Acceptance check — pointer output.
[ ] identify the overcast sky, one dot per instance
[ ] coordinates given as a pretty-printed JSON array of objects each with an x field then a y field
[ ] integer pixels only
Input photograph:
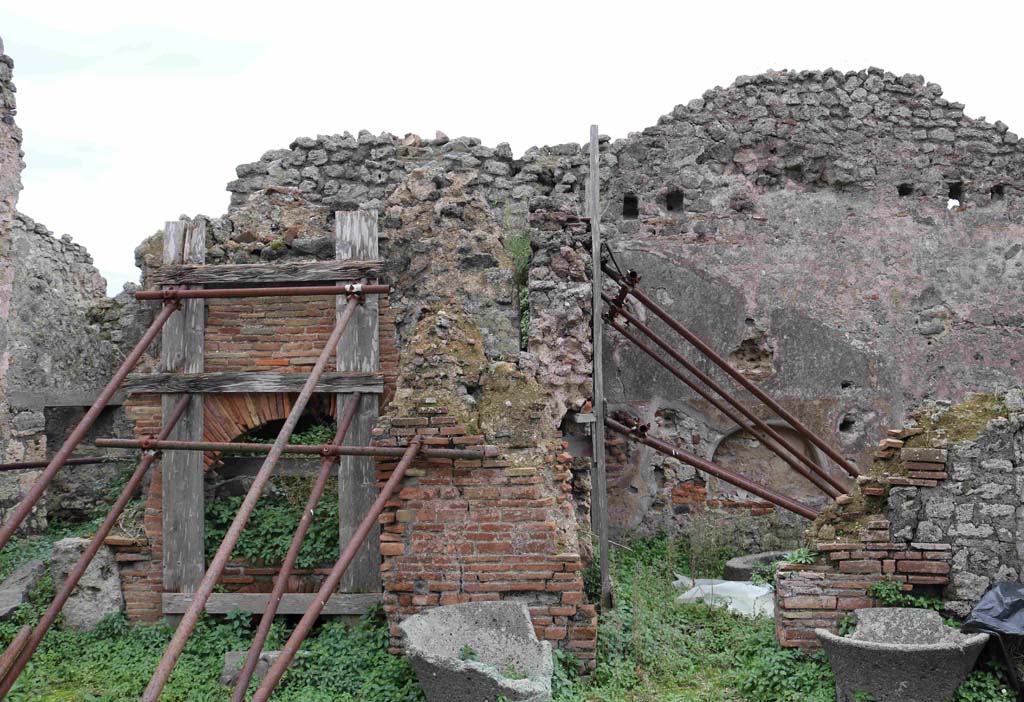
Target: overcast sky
[{"x": 137, "y": 112}]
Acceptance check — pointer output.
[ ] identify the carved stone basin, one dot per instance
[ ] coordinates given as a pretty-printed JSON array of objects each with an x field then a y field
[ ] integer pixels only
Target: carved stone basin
[{"x": 900, "y": 654}]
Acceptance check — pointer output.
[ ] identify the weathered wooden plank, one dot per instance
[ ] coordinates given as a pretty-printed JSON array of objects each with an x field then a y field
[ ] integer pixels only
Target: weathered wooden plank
[
  {"x": 182, "y": 352},
  {"x": 256, "y": 382},
  {"x": 283, "y": 272},
  {"x": 359, "y": 351},
  {"x": 599, "y": 494},
  {"x": 291, "y": 603}
]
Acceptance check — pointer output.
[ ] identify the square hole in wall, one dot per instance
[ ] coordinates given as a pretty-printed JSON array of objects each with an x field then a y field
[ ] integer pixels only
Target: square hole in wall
[
  {"x": 956, "y": 194},
  {"x": 674, "y": 200},
  {"x": 630, "y": 206},
  {"x": 904, "y": 189}
]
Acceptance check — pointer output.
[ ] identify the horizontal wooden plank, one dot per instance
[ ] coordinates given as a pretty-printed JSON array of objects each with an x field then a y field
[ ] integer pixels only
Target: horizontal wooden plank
[
  {"x": 227, "y": 382},
  {"x": 283, "y": 272},
  {"x": 292, "y": 603}
]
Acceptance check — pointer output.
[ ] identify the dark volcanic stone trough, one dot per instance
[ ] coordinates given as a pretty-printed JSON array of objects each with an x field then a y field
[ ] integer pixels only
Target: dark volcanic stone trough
[{"x": 900, "y": 654}]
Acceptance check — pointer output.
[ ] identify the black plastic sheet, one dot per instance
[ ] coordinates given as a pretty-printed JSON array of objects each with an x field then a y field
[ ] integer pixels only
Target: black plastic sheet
[{"x": 1000, "y": 611}]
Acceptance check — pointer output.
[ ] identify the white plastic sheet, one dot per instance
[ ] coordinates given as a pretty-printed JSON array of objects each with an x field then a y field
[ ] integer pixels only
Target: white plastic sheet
[{"x": 743, "y": 598}]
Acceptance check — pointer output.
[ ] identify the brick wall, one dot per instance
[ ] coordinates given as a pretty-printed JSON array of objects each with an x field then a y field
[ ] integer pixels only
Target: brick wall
[
  {"x": 242, "y": 334},
  {"x": 282, "y": 334},
  {"x": 479, "y": 530},
  {"x": 858, "y": 548},
  {"x": 688, "y": 494}
]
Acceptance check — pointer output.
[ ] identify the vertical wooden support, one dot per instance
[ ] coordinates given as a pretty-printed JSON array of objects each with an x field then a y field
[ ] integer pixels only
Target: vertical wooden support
[
  {"x": 359, "y": 350},
  {"x": 599, "y": 478},
  {"x": 182, "y": 352}
]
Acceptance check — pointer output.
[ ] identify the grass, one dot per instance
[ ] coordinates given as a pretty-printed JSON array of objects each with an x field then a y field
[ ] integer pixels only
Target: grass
[
  {"x": 113, "y": 663},
  {"x": 650, "y": 649},
  {"x": 653, "y": 649}
]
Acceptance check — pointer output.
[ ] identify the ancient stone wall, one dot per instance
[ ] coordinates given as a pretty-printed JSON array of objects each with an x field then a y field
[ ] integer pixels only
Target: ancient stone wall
[
  {"x": 10, "y": 184},
  {"x": 450, "y": 352},
  {"x": 978, "y": 510},
  {"x": 938, "y": 514},
  {"x": 798, "y": 221},
  {"x": 60, "y": 339}
]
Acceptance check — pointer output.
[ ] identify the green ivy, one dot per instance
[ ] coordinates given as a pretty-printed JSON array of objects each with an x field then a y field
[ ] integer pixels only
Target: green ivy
[
  {"x": 113, "y": 663},
  {"x": 765, "y": 575},
  {"x": 987, "y": 685},
  {"x": 314, "y": 435},
  {"x": 268, "y": 533},
  {"x": 889, "y": 593}
]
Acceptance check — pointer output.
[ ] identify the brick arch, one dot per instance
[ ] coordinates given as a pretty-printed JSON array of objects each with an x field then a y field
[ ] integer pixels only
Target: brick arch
[{"x": 228, "y": 416}]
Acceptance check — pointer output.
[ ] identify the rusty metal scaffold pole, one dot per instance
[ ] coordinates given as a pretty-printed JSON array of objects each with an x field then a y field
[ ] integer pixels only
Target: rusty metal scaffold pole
[
  {"x": 810, "y": 470},
  {"x": 300, "y": 449},
  {"x": 714, "y": 469},
  {"x": 216, "y": 568},
  {"x": 630, "y": 287},
  {"x": 330, "y": 583},
  {"x": 74, "y": 461},
  {"x": 317, "y": 491},
  {"x": 25, "y": 507},
  {"x": 28, "y": 647},
  {"x": 284, "y": 291},
  {"x": 17, "y": 643},
  {"x": 755, "y": 431}
]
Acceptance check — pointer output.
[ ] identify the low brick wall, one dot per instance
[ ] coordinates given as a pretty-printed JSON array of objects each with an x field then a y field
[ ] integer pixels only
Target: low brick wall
[
  {"x": 481, "y": 530},
  {"x": 857, "y": 548}
]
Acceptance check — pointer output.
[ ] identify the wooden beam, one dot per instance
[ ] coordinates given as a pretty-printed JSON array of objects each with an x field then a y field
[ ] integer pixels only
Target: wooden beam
[
  {"x": 599, "y": 479},
  {"x": 181, "y": 351},
  {"x": 359, "y": 351},
  {"x": 285, "y": 272},
  {"x": 236, "y": 382},
  {"x": 291, "y": 603}
]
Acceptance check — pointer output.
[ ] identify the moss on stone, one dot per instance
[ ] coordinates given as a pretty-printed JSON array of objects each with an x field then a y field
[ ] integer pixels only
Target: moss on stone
[
  {"x": 883, "y": 468},
  {"x": 963, "y": 422},
  {"x": 512, "y": 407}
]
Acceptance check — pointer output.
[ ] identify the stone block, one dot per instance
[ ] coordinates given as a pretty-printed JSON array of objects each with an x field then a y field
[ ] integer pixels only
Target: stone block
[
  {"x": 15, "y": 588},
  {"x": 480, "y": 651},
  {"x": 98, "y": 592}
]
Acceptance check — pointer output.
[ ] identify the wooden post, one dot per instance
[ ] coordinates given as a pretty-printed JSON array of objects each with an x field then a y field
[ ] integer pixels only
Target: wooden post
[
  {"x": 181, "y": 351},
  {"x": 599, "y": 479},
  {"x": 359, "y": 350}
]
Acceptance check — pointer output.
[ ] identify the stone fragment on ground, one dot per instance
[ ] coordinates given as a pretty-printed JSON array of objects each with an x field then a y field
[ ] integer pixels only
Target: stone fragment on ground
[
  {"x": 742, "y": 568},
  {"x": 16, "y": 586},
  {"x": 98, "y": 592},
  {"x": 479, "y": 652},
  {"x": 233, "y": 661}
]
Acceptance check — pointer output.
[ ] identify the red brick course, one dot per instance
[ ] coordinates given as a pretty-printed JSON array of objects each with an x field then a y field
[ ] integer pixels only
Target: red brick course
[
  {"x": 458, "y": 531},
  {"x": 469, "y": 531},
  {"x": 819, "y": 596}
]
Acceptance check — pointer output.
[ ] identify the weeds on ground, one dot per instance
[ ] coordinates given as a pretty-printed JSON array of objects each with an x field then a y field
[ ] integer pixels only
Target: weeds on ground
[
  {"x": 114, "y": 662},
  {"x": 651, "y": 648}
]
